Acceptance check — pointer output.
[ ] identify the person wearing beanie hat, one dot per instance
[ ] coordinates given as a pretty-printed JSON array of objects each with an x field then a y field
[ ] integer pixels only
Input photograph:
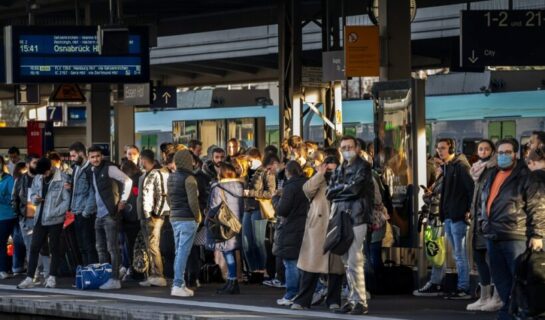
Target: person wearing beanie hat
[
  {"x": 185, "y": 216},
  {"x": 52, "y": 200}
]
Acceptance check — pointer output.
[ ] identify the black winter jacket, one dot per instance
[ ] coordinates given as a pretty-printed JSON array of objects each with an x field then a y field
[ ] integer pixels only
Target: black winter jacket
[
  {"x": 457, "y": 192},
  {"x": 292, "y": 212},
  {"x": 516, "y": 213},
  {"x": 352, "y": 187},
  {"x": 479, "y": 242}
]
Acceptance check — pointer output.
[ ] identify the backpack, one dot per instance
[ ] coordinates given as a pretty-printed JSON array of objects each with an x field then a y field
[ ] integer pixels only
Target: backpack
[
  {"x": 529, "y": 285},
  {"x": 340, "y": 233},
  {"x": 221, "y": 223}
]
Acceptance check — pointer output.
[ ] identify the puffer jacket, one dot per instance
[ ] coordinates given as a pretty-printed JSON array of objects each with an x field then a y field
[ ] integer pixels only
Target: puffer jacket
[
  {"x": 508, "y": 218},
  {"x": 154, "y": 194},
  {"x": 352, "y": 188},
  {"x": 457, "y": 190},
  {"x": 57, "y": 199},
  {"x": 83, "y": 193},
  {"x": 535, "y": 204},
  {"x": 291, "y": 211}
]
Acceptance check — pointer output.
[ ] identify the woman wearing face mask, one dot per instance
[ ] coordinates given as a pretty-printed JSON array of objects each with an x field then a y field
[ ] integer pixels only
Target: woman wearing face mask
[
  {"x": 261, "y": 184},
  {"x": 480, "y": 172},
  {"x": 312, "y": 261}
]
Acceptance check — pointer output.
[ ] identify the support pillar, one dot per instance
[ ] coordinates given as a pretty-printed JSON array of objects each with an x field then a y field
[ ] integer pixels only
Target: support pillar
[
  {"x": 124, "y": 128},
  {"x": 290, "y": 47},
  {"x": 395, "y": 34},
  {"x": 98, "y": 115}
]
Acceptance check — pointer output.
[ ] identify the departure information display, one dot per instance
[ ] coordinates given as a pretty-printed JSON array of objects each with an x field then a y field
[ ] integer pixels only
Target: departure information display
[{"x": 71, "y": 54}]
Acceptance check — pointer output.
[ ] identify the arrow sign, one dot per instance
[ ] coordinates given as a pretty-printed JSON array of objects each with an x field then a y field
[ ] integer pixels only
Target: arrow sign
[
  {"x": 164, "y": 98},
  {"x": 473, "y": 59}
]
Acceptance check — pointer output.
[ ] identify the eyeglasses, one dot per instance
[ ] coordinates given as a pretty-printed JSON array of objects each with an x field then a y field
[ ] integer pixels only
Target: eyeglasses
[{"x": 509, "y": 153}]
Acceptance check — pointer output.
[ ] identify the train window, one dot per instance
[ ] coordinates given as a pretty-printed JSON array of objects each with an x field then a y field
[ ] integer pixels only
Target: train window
[
  {"x": 469, "y": 147},
  {"x": 184, "y": 131},
  {"x": 244, "y": 130},
  {"x": 350, "y": 131},
  {"x": 502, "y": 129},
  {"x": 212, "y": 132}
]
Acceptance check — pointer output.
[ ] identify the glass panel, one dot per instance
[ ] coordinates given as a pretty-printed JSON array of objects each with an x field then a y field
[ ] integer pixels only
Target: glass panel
[
  {"x": 494, "y": 131},
  {"x": 509, "y": 129},
  {"x": 184, "y": 131},
  {"x": 243, "y": 130},
  {"x": 212, "y": 132},
  {"x": 469, "y": 148},
  {"x": 393, "y": 157}
]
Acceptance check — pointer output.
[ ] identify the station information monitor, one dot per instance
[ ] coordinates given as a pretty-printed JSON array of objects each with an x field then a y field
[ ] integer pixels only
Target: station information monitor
[{"x": 44, "y": 54}]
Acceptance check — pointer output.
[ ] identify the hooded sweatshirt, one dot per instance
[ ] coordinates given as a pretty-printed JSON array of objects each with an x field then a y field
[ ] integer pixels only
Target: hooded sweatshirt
[
  {"x": 457, "y": 192},
  {"x": 183, "y": 190}
]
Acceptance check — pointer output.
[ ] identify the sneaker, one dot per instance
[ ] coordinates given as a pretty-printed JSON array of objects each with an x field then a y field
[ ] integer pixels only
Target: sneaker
[
  {"x": 458, "y": 295},
  {"x": 319, "y": 297},
  {"x": 154, "y": 281},
  {"x": 429, "y": 290},
  {"x": 334, "y": 306},
  {"x": 296, "y": 306},
  {"x": 275, "y": 283},
  {"x": 111, "y": 285},
  {"x": 50, "y": 282},
  {"x": 26, "y": 284},
  {"x": 127, "y": 276},
  {"x": 494, "y": 303},
  {"x": 284, "y": 302},
  {"x": 346, "y": 308},
  {"x": 181, "y": 292},
  {"x": 37, "y": 279},
  {"x": 4, "y": 275},
  {"x": 359, "y": 309}
]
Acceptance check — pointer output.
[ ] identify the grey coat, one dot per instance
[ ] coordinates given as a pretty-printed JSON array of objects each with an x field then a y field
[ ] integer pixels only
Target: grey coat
[
  {"x": 233, "y": 192},
  {"x": 57, "y": 199}
]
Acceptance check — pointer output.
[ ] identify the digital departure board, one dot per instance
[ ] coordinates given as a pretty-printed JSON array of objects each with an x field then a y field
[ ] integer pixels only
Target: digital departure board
[{"x": 42, "y": 54}]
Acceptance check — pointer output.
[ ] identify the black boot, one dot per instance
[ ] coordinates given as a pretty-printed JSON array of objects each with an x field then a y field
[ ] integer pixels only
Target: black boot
[{"x": 231, "y": 288}]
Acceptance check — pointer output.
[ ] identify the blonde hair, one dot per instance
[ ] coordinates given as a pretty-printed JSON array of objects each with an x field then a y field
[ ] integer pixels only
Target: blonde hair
[
  {"x": 180, "y": 147},
  {"x": 242, "y": 165}
]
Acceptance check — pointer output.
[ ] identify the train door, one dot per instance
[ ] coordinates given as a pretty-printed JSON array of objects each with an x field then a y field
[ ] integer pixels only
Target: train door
[
  {"x": 498, "y": 130},
  {"x": 212, "y": 132},
  {"x": 149, "y": 141},
  {"x": 243, "y": 130}
]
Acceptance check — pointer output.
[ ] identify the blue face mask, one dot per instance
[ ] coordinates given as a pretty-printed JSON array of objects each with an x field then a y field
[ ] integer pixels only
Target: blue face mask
[{"x": 505, "y": 161}]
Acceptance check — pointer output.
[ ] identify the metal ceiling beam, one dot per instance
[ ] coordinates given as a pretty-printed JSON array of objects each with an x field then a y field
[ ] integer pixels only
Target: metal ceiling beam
[
  {"x": 186, "y": 68},
  {"x": 170, "y": 71},
  {"x": 225, "y": 65}
]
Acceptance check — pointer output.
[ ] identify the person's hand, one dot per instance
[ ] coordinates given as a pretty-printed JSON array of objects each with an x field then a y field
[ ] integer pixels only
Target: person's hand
[
  {"x": 121, "y": 205},
  {"x": 536, "y": 244},
  {"x": 468, "y": 217},
  {"x": 39, "y": 199},
  {"x": 68, "y": 186},
  {"x": 322, "y": 169},
  {"x": 246, "y": 193}
]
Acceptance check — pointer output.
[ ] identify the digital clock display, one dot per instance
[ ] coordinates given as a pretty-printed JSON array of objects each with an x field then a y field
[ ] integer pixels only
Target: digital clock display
[{"x": 53, "y": 54}]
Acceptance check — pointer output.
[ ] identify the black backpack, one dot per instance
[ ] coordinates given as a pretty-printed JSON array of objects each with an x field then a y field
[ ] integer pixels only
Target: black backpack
[
  {"x": 529, "y": 285},
  {"x": 340, "y": 234}
]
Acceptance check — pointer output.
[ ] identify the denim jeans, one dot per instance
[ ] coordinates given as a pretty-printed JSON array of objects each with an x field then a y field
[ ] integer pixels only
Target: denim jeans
[
  {"x": 85, "y": 237},
  {"x": 456, "y": 233},
  {"x": 479, "y": 256},
  {"x": 437, "y": 274},
  {"x": 107, "y": 234},
  {"x": 254, "y": 228},
  {"x": 19, "y": 249},
  {"x": 502, "y": 256},
  {"x": 231, "y": 262},
  {"x": 184, "y": 234},
  {"x": 6, "y": 229},
  {"x": 292, "y": 278}
]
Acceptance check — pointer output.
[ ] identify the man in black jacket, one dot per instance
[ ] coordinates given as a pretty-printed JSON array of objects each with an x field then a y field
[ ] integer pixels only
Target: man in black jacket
[
  {"x": 508, "y": 220},
  {"x": 455, "y": 204},
  {"x": 351, "y": 190}
]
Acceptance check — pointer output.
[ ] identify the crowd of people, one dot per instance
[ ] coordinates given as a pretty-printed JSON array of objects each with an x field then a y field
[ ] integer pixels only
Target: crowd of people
[{"x": 283, "y": 203}]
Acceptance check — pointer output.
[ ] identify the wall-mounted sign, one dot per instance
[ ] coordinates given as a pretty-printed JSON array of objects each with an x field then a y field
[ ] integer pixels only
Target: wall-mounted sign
[
  {"x": 362, "y": 51},
  {"x": 56, "y": 54},
  {"x": 27, "y": 94}
]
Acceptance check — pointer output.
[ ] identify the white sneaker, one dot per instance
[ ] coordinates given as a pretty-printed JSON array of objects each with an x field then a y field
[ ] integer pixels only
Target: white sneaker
[
  {"x": 485, "y": 296},
  {"x": 122, "y": 272},
  {"x": 4, "y": 275},
  {"x": 494, "y": 304},
  {"x": 181, "y": 292},
  {"x": 158, "y": 281},
  {"x": 284, "y": 302},
  {"x": 26, "y": 284},
  {"x": 50, "y": 282},
  {"x": 111, "y": 285}
]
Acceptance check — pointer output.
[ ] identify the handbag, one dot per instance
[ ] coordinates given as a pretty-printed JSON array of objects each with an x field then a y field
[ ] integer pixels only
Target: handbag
[
  {"x": 340, "y": 233},
  {"x": 388, "y": 240},
  {"x": 93, "y": 276},
  {"x": 435, "y": 246},
  {"x": 223, "y": 224},
  {"x": 141, "y": 260},
  {"x": 529, "y": 285},
  {"x": 267, "y": 208}
]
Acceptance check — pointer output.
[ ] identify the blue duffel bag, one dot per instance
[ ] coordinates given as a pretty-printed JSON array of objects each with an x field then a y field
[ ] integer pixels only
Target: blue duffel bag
[{"x": 93, "y": 276}]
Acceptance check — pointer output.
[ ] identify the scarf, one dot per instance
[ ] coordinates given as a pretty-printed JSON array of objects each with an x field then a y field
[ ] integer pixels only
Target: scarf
[{"x": 478, "y": 167}]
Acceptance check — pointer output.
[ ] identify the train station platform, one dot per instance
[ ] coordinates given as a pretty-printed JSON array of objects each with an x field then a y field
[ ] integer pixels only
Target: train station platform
[{"x": 254, "y": 302}]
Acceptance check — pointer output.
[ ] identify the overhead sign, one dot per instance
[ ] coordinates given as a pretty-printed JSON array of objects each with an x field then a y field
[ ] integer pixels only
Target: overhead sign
[
  {"x": 164, "y": 97},
  {"x": 362, "y": 51},
  {"x": 136, "y": 94},
  {"x": 54, "y": 54},
  {"x": 67, "y": 92},
  {"x": 312, "y": 77},
  {"x": 502, "y": 38},
  {"x": 54, "y": 113},
  {"x": 27, "y": 94},
  {"x": 333, "y": 65}
]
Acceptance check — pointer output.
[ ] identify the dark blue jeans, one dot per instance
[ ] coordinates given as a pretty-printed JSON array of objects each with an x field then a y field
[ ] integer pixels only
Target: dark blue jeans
[
  {"x": 292, "y": 278},
  {"x": 254, "y": 228},
  {"x": 479, "y": 256},
  {"x": 6, "y": 229},
  {"x": 502, "y": 256},
  {"x": 231, "y": 262},
  {"x": 19, "y": 249}
]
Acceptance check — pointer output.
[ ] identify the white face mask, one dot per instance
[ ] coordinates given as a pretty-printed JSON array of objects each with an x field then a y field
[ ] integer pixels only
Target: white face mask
[
  {"x": 255, "y": 164},
  {"x": 349, "y": 155}
]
